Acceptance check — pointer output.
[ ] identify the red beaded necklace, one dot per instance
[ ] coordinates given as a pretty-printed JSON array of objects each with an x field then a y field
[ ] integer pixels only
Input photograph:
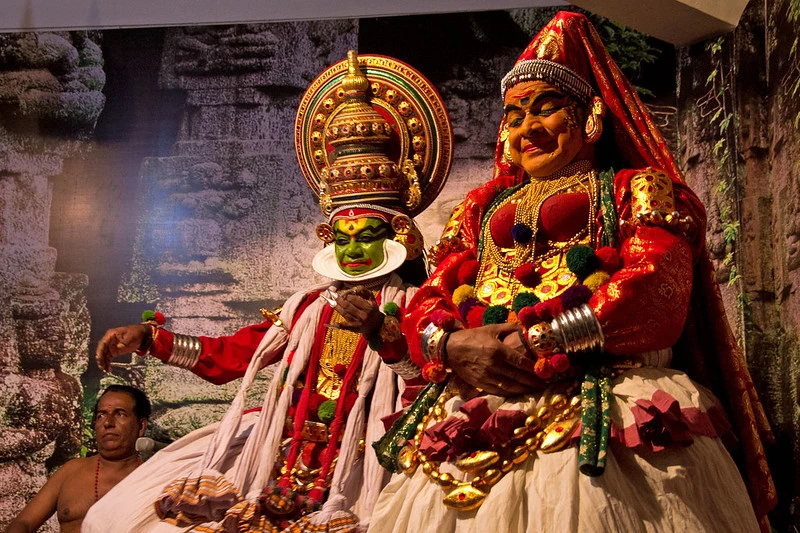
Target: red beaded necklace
[
  {"x": 97, "y": 480},
  {"x": 97, "y": 477}
]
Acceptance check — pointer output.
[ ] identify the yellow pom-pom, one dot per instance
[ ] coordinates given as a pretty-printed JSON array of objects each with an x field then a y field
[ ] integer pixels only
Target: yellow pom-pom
[
  {"x": 463, "y": 293},
  {"x": 596, "y": 280}
]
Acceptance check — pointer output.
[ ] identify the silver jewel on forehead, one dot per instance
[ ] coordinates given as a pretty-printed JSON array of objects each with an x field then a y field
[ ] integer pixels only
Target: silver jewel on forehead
[{"x": 551, "y": 72}]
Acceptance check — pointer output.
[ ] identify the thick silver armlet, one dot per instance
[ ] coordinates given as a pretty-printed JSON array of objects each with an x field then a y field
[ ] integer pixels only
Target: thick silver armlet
[
  {"x": 578, "y": 330},
  {"x": 185, "y": 351}
]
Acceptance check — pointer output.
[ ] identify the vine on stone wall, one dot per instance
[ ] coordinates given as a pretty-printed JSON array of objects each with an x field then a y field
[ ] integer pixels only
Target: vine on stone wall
[
  {"x": 716, "y": 104},
  {"x": 631, "y": 50},
  {"x": 717, "y": 107}
]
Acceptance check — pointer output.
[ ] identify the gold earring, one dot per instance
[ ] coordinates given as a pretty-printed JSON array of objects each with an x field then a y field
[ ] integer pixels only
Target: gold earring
[
  {"x": 507, "y": 153},
  {"x": 594, "y": 121},
  {"x": 506, "y": 146},
  {"x": 325, "y": 233}
]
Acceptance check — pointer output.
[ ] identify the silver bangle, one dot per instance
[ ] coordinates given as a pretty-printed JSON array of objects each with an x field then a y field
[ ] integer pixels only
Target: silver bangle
[
  {"x": 405, "y": 368},
  {"x": 425, "y": 339},
  {"x": 578, "y": 330},
  {"x": 185, "y": 351}
]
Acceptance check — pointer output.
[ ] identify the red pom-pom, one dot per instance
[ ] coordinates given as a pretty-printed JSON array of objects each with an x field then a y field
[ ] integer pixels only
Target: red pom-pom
[
  {"x": 549, "y": 309},
  {"x": 160, "y": 320},
  {"x": 339, "y": 369},
  {"x": 443, "y": 319},
  {"x": 434, "y": 372},
  {"x": 474, "y": 317},
  {"x": 527, "y": 316},
  {"x": 543, "y": 369},
  {"x": 468, "y": 272},
  {"x": 314, "y": 401},
  {"x": 560, "y": 362},
  {"x": 528, "y": 275},
  {"x": 609, "y": 259}
]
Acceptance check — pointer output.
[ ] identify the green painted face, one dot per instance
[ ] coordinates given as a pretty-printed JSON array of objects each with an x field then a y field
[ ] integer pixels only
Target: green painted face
[{"x": 359, "y": 244}]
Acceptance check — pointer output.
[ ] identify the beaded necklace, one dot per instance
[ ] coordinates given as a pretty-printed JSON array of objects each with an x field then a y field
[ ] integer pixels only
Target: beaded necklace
[
  {"x": 529, "y": 200},
  {"x": 97, "y": 477}
]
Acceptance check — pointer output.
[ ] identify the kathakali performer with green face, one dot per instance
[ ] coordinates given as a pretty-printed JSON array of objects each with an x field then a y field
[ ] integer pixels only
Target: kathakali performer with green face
[{"x": 340, "y": 361}]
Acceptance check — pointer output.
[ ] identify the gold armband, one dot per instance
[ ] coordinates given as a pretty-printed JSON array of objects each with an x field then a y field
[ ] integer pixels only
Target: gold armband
[{"x": 653, "y": 203}]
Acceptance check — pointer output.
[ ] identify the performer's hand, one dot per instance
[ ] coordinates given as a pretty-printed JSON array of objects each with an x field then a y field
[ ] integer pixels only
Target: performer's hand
[
  {"x": 480, "y": 357},
  {"x": 360, "y": 311},
  {"x": 119, "y": 341}
]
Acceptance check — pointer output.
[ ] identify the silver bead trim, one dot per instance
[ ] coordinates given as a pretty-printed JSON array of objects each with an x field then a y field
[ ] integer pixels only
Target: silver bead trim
[
  {"x": 185, "y": 351},
  {"x": 578, "y": 330},
  {"x": 551, "y": 72},
  {"x": 405, "y": 368}
]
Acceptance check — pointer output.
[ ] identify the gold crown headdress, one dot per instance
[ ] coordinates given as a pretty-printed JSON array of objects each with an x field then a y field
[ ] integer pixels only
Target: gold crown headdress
[{"x": 372, "y": 131}]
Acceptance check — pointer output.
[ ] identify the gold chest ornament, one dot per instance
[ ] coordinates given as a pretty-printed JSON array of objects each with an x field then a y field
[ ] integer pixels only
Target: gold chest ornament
[{"x": 496, "y": 283}]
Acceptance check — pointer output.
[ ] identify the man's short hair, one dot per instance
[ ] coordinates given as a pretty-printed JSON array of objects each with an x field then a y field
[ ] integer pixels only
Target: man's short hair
[{"x": 141, "y": 405}]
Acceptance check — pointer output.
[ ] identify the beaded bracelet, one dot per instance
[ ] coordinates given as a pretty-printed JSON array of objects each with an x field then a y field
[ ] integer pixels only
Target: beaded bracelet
[
  {"x": 389, "y": 331},
  {"x": 153, "y": 321}
]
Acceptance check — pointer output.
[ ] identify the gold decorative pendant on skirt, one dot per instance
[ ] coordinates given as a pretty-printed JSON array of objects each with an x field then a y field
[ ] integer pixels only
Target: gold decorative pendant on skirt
[
  {"x": 477, "y": 461},
  {"x": 407, "y": 459},
  {"x": 465, "y": 498},
  {"x": 557, "y": 434}
]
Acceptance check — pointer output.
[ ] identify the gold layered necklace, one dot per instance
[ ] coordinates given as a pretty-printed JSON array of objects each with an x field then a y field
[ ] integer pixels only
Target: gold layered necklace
[
  {"x": 496, "y": 283},
  {"x": 529, "y": 200},
  {"x": 340, "y": 345}
]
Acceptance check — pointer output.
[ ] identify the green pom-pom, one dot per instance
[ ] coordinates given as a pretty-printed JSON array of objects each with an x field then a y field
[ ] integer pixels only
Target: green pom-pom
[
  {"x": 581, "y": 260},
  {"x": 524, "y": 299},
  {"x": 326, "y": 411},
  {"x": 148, "y": 315},
  {"x": 391, "y": 309},
  {"x": 495, "y": 314}
]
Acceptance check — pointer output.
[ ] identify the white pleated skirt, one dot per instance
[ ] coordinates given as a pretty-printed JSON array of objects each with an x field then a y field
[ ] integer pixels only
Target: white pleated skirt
[{"x": 694, "y": 488}]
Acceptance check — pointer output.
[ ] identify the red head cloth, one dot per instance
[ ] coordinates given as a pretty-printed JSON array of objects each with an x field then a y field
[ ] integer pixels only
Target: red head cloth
[{"x": 569, "y": 54}]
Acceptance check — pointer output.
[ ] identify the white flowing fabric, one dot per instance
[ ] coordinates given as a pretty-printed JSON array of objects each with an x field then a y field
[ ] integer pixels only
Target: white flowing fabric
[
  {"x": 244, "y": 448},
  {"x": 696, "y": 488}
]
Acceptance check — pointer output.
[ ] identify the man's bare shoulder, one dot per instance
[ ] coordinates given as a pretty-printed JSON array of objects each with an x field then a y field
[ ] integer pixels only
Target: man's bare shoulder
[{"x": 74, "y": 466}]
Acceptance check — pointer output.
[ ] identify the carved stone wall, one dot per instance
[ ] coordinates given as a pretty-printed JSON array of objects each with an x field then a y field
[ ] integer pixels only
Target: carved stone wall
[
  {"x": 754, "y": 206},
  {"x": 50, "y": 98}
]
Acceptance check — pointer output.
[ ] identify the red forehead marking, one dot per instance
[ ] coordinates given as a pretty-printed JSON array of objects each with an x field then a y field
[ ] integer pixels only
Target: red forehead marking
[{"x": 527, "y": 92}]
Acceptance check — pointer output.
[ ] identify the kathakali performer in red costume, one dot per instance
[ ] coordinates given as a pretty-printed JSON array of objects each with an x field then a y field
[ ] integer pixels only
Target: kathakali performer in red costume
[
  {"x": 573, "y": 315},
  {"x": 375, "y": 144}
]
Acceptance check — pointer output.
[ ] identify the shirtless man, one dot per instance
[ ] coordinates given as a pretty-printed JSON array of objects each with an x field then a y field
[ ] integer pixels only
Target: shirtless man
[{"x": 120, "y": 418}]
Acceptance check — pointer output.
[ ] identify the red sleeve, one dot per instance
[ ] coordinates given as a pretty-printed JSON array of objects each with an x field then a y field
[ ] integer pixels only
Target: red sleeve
[
  {"x": 436, "y": 293},
  {"x": 222, "y": 359},
  {"x": 645, "y": 304}
]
